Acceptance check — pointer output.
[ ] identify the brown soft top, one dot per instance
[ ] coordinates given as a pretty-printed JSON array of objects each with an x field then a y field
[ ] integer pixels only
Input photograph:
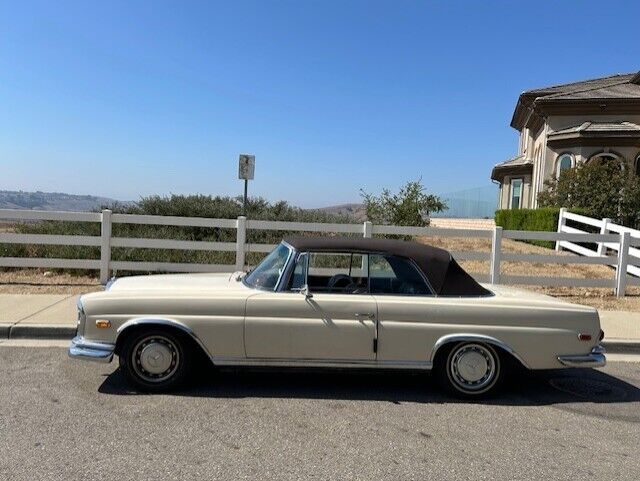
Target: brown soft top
[{"x": 445, "y": 275}]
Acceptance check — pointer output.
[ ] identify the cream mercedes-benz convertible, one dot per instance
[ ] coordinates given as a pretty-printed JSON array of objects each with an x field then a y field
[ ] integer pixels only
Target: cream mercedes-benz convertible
[{"x": 335, "y": 303}]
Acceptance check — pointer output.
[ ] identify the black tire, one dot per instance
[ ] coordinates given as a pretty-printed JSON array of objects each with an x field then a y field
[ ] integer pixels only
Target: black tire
[
  {"x": 155, "y": 360},
  {"x": 480, "y": 376}
]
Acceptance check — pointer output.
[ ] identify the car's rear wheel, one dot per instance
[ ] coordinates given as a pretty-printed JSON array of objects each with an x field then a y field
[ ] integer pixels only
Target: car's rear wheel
[
  {"x": 155, "y": 360},
  {"x": 470, "y": 369}
]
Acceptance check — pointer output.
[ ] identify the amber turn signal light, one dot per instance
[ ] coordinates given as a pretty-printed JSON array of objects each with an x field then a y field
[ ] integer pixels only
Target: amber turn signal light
[{"x": 103, "y": 324}]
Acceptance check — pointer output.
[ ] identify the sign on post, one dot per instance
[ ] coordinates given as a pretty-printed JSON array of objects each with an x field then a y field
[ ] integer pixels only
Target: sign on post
[{"x": 247, "y": 167}]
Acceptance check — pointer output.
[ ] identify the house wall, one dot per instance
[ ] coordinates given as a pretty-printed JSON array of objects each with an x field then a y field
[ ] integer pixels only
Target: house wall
[{"x": 545, "y": 168}]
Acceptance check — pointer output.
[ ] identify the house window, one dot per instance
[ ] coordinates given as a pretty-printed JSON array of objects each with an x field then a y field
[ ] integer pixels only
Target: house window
[
  {"x": 516, "y": 193},
  {"x": 607, "y": 157},
  {"x": 564, "y": 162}
]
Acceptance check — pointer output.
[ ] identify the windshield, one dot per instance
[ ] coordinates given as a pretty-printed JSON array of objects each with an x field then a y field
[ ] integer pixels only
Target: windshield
[{"x": 266, "y": 274}]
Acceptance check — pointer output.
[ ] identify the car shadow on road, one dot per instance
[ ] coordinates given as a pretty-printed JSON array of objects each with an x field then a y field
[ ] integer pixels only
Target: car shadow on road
[{"x": 525, "y": 389}]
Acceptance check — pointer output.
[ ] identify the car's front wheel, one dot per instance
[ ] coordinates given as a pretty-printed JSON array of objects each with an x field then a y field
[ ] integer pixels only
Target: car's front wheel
[
  {"x": 155, "y": 360},
  {"x": 470, "y": 369}
]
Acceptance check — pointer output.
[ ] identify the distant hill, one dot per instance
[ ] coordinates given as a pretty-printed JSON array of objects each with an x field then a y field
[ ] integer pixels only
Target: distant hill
[
  {"x": 53, "y": 201},
  {"x": 356, "y": 211}
]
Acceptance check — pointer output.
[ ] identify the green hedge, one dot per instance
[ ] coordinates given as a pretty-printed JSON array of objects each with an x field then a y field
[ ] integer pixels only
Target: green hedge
[{"x": 543, "y": 219}]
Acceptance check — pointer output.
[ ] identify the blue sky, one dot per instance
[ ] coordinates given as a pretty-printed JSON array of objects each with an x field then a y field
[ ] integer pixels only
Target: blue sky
[{"x": 124, "y": 99}]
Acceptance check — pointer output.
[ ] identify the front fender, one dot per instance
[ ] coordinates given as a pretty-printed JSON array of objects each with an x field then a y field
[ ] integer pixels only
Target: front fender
[{"x": 162, "y": 322}]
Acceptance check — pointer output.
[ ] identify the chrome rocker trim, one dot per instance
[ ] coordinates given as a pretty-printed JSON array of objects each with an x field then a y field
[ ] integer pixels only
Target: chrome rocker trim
[
  {"x": 320, "y": 363},
  {"x": 80, "y": 348},
  {"x": 595, "y": 358}
]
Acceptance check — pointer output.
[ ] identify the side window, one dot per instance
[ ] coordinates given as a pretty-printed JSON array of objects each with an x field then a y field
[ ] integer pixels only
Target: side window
[
  {"x": 337, "y": 273},
  {"x": 516, "y": 193},
  {"x": 395, "y": 275},
  {"x": 299, "y": 277}
]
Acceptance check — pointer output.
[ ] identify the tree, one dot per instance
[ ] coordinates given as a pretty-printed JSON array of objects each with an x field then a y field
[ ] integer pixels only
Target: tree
[
  {"x": 410, "y": 206},
  {"x": 603, "y": 189}
]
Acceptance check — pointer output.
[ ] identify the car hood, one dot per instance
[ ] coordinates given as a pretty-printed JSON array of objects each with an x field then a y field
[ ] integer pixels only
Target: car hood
[{"x": 177, "y": 282}]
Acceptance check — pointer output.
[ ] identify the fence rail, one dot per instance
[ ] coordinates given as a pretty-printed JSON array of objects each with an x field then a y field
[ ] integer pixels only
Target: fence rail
[
  {"x": 618, "y": 238},
  {"x": 615, "y": 238}
]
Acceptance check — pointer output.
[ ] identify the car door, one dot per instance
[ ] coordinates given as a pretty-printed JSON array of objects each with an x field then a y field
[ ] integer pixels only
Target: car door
[
  {"x": 332, "y": 323},
  {"x": 407, "y": 310}
]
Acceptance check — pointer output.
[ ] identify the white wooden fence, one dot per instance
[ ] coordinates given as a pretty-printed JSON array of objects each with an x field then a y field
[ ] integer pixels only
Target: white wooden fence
[
  {"x": 628, "y": 257},
  {"x": 618, "y": 280}
]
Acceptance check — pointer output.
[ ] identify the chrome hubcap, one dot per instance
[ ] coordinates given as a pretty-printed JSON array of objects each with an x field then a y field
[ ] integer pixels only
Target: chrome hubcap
[
  {"x": 155, "y": 358},
  {"x": 472, "y": 367}
]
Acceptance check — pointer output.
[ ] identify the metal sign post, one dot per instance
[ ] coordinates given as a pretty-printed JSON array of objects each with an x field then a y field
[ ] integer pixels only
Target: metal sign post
[{"x": 246, "y": 171}]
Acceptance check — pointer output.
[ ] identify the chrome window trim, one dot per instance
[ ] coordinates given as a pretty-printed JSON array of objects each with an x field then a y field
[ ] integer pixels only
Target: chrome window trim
[
  {"x": 414, "y": 264},
  {"x": 279, "y": 281}
]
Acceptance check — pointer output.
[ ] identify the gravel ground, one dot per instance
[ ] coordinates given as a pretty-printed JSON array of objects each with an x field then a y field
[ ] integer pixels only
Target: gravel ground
[{"x": 65, "y": 419}]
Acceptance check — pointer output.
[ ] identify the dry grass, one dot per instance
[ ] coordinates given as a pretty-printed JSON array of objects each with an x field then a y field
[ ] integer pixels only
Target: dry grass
[{"x": 39, "y": 281}]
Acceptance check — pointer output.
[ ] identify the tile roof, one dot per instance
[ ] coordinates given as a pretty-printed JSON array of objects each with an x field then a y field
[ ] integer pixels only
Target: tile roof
[
  {"x": 614, "y": 89},
  {"x": 583, "y": 85},
  {"x": 518, "y": 160},
  {"x": 599, "y": 127},
  {"x": 517, "y": 164}
]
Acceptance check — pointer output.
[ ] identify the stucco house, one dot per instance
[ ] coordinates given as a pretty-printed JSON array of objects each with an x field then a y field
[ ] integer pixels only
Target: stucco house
[{"x": 563, "y": 125}]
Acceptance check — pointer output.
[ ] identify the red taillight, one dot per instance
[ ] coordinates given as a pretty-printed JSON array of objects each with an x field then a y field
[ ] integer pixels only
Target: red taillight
[{"x": 584, "y": 337}]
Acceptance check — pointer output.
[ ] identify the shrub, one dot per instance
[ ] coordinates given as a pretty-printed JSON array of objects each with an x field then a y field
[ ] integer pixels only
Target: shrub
[
  {"x": 410, "y": 206},
  {"x": 174, "y": 205},
  {"x": 542, "y": 219},
  {"x": 600, "y": 189}
]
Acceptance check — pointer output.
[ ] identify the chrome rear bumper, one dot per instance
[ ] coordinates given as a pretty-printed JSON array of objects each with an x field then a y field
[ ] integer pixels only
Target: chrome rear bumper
[
  {"x": 595, "y": 358},
  {"x": 80, "y": 348}
]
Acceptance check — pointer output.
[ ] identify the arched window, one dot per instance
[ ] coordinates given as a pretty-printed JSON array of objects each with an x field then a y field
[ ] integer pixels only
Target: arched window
[
  {"x": 564, "y": 162},
  {"x": 608, "y": 157}
]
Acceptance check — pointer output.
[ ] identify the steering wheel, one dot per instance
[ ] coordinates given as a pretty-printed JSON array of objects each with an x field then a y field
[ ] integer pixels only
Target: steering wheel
[{"x": 340, "y": 281}]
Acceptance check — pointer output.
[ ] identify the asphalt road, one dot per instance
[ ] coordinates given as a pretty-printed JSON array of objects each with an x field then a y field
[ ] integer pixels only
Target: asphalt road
[{"x": 64, "y": 419}]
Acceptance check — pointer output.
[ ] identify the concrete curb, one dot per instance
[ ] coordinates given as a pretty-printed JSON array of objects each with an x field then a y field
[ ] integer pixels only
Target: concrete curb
[
  {"x": 4, "y": 330},
  {"x": 36, "y": 331},
  {"x": 622, "y": 346}
]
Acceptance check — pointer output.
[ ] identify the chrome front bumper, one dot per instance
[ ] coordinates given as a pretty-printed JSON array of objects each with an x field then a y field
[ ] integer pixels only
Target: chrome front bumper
[
  {"x": 595, "y": 358},
  {"x": 80, "y": 348}
]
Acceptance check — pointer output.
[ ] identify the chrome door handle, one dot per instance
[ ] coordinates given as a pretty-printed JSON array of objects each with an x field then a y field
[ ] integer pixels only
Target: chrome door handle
[{"x": 365, "y": 315}]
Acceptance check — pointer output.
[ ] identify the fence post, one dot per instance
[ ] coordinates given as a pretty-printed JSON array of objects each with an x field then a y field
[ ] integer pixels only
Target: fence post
[
  {"x": 241, "y": 239},
  {"x": 604, "y": 229},
  {"x": 496, "y": 249},
  {"x": 623, "y": 262},
  {"x": 367, "y": 229},
  {"x": 561, "y": 223},
  {"x": 105, "y": 245},
  {"x": 367, "y": 233}
]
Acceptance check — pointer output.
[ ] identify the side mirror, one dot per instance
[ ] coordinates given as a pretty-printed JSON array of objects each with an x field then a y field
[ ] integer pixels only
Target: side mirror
[{"x": 304, "y": 290}]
